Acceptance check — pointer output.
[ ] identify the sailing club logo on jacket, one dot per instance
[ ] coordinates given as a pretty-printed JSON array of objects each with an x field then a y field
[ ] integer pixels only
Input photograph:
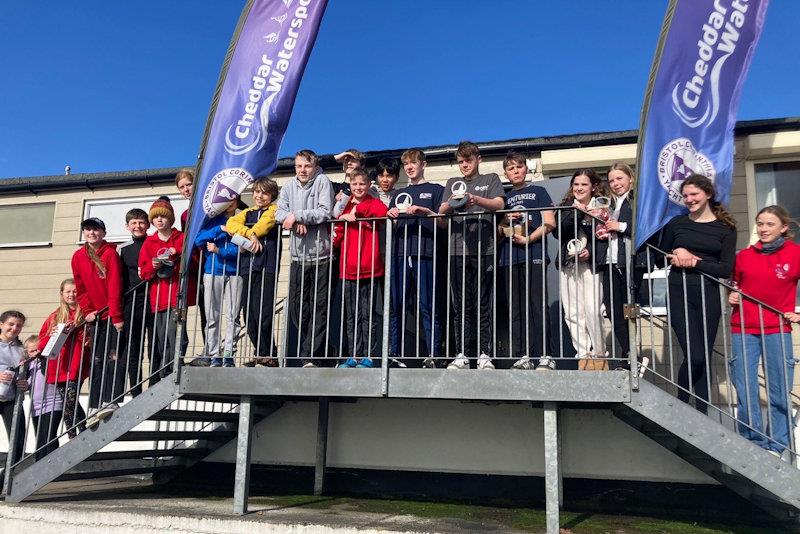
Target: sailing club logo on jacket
[{"x": 782, "y": 271}]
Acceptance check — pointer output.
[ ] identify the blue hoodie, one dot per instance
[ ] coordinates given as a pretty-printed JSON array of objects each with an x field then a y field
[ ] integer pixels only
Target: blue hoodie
[{"x": 223, "y": 262}]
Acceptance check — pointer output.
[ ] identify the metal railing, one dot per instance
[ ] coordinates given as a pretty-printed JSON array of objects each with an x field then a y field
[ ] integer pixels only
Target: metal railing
[{"x": 449, "y": 291}]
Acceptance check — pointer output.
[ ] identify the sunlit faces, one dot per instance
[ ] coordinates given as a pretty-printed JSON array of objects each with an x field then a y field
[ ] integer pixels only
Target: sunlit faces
[
  {"x": 515, "y": 172},
  {"x": 695, "y": 198},
  {"x": 69, "y": 295},
  {"x": 261, "y": 198},
  {"x": 161, "y": 223},
  {"x": 185, "y": 187},
  {"x": 770, "y": 227},
  {"x": 359, "y": 186},
  {"x": 304, "y": 168},
  {"x": 138, "y": 227},
  {"x": 414, "y": 169},
  {"x": 619, "y": 182},
  {"x": 31, "y": 349},
  {"x": 582, "y": 188},
  {"x": 385, "y": 180},
  {"x": 468, "y": 165},
  {"x": 93, "y": 235},
  {"x": 10, "y": 328}
]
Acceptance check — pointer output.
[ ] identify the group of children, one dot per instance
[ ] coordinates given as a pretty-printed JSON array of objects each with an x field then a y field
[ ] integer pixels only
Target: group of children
[{"x": 120, "y": 296}]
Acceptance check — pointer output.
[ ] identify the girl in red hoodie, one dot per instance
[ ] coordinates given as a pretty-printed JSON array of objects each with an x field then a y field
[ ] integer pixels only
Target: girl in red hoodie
[
  {"x": 767, "y": 271},
  {"x": 97, "y": 271},
  {"x": 71, "y": 366},
  {"x": 361, "y": 268}
]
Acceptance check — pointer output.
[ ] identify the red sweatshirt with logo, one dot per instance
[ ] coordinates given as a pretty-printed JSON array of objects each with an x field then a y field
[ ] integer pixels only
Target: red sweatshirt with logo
[
  {"x": 360, "y": 241},
  {"x": 98, "y": 289},
  {"x": 770, "y": 278},
  {"x": 163, "y": 291}
]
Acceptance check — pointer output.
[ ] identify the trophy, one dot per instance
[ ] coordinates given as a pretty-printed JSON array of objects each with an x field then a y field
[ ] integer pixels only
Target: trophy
[
  {"x": 458, "y": 199},
  {"x": 575, "y": 246},
  {"x": 402, "y": 202},
  {"x": 600, "y": 207}
]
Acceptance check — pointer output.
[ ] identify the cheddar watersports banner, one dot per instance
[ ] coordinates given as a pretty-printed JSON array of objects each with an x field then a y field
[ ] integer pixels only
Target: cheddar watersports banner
[{"x": 691, "y": 102}]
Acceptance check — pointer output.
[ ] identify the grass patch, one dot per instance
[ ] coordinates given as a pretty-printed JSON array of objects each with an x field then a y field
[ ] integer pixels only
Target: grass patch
[{"x": 523, "y": 519}]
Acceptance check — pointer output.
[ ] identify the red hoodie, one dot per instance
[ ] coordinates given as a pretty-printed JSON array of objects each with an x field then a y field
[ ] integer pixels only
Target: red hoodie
[
  {"x": 770, "y": 278},
  {"x": 73, "y": 361},
  {"x": 163, "y": 291},
  {"x": 371, "y": 263},
  {"x": 97, "y": 290}
]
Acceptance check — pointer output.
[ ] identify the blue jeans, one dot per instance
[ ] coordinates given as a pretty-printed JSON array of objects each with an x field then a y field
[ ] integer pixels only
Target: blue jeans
[
  {"x": 779, "y": 372},
  {"x": 412, "y": 271}
]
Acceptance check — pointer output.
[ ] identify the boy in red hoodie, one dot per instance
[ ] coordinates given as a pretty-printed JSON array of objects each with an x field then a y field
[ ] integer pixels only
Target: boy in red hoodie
[
  {"x": 361, "y": 269},
  {"x": 97, "y": 271},
  {"x": 159, "y": 262}
]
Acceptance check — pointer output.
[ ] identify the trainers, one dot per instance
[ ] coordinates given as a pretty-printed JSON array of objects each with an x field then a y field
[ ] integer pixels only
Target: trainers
[
  {"x": 364, "y": 363},
  {"x": 429, "y": 363},
  {"x": 485, "y": 361},
  {"x": 309, "y": 365},
  {"x": 200, "y": 361},
  {"x": 106, "y": 411},
  {"x": 523, "y": 364},
  {"x": 397, "y": 364},
  {"x": 348, "y": 363},
  {"x": 92, "y": 421},
  {"x": 228, "y": 363},
  {"x": 216, "y": 362},
  {"x": 460, "y": 362},
  {"x": 546, "y": 363}
]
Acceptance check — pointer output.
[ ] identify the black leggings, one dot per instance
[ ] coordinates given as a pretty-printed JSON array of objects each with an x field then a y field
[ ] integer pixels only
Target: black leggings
[
  {"x": 695, "y": 333},
  {"x": 73, "y": 412}
]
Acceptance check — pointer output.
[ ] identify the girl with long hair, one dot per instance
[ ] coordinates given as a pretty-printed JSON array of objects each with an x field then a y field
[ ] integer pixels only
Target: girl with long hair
[
  {"x": 579, "y": 280},
  {"x": 71, "y": 367},
  {"x": 767, "y": 271},
  {"x": 701, "y": 242},
  {"x": 97, "y": 271}
]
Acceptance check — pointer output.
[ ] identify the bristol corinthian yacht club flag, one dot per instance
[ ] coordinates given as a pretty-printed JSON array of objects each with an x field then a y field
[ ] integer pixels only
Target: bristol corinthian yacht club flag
[
  {"x": 702, "y": 58},
  {"x": 253, "y": 101}
]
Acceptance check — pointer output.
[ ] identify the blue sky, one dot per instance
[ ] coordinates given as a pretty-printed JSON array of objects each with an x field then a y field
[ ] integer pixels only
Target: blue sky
[{"x": 122, "y": 85}]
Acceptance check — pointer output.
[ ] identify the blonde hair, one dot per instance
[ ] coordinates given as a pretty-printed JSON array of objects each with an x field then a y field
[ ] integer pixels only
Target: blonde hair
[
  {"x": 62, "y": 313},
  {"x": 783, "y": 215},
  {"x": 184, "y": 173}
]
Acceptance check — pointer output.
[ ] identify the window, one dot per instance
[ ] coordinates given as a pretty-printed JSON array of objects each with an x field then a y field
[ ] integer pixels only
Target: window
[
  {"x": 27, "y": 225},
  {"x": 112, "y": 213},
  {"x": 655, "y": 304},
  {"x": 779, "y": 183}
]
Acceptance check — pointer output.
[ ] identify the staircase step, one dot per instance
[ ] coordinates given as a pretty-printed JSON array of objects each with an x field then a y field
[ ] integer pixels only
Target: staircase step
[
  {"x": 200, "y": 397},
  {"x": 177, "y": 435},
  {"x": 149, "y": 453},
  {"x": 85, "y": 475},
  {"x": 199, "y": 416}
]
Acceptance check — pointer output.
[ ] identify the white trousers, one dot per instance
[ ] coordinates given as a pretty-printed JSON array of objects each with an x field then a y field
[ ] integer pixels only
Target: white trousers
[
  {"x": 222, "y": 296},
  {"x": 581, "y": 297}
]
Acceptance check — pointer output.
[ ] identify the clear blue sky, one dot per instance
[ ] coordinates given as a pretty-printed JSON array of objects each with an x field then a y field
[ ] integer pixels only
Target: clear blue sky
[{"x": 123, "y": 85}]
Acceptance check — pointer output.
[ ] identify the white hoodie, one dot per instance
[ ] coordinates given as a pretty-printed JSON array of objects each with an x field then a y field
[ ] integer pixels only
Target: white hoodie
[{"x": 11, "y": 353}]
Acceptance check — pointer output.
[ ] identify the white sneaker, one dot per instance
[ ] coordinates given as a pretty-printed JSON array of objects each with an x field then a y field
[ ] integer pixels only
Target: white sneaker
[
  {"x": 106, "y": 411},
  {"x": 546, "y": 363},
  {"x": 523, "y": 364},
  {"x": 485, "y": 361},
  {"x": 92, "y": 421},
  {"x": 460, "y": 362},
  {"x": 309, "y": 365},
  {"x": 429, "y": 363}
]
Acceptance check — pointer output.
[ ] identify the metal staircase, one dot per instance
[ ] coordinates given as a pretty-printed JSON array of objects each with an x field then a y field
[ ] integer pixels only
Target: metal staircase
[
  {"x": 83, "y": 458},
  {"x": 718, "y": 451}
]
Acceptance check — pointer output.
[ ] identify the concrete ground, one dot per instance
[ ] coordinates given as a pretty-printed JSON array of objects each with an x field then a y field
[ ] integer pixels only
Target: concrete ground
[{"x": 127, "y": 505}]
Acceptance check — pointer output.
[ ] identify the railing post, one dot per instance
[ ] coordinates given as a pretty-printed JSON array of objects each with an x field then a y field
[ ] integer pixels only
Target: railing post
[
  {"x": 631, "y": 316},
  {"x": 387, "y": 296},
  {"x": 16, "y": 418}
]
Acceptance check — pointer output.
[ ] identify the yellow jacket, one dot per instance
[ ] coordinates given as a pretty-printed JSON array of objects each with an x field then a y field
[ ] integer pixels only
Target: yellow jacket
[{"x": 236, "y": 224}]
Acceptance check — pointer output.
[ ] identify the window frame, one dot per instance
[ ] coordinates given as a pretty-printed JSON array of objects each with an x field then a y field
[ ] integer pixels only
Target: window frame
[
  {"x": 149, "y": 199},
  {"x": 30, "y": 244}
]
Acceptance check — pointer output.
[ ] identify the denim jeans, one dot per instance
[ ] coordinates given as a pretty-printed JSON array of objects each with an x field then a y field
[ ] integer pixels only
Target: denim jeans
[{"x": 779, "y": 371}]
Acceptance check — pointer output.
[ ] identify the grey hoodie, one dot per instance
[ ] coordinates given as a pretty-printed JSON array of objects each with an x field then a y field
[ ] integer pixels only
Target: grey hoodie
[
  {"x": 11, "y": 353},
  {"x": 311, "y": 205}
]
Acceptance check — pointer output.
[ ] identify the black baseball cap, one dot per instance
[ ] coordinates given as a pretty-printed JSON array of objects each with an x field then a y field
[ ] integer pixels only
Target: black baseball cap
[{"x": 93, "y": 222}]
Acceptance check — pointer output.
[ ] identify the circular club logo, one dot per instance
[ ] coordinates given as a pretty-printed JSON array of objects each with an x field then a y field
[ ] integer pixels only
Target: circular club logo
[
  {"x": 677, "y": 161},
  {"x": 224, "y": 187}
]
